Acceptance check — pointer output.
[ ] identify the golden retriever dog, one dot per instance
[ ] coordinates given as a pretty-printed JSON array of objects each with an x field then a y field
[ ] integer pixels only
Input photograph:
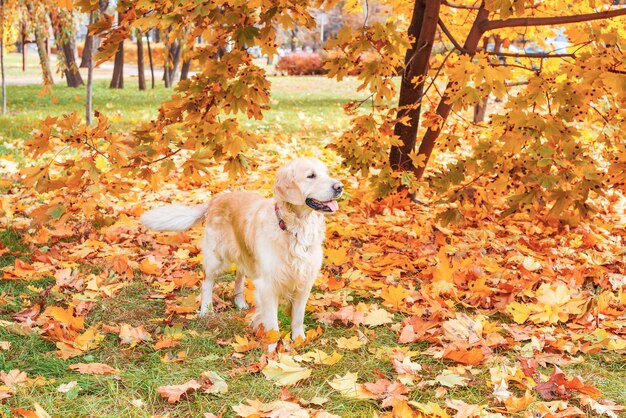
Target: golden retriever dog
[{"x": 277, "y": 242}]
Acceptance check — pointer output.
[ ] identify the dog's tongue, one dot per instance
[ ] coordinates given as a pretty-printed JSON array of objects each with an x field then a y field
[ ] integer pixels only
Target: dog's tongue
[{"x": 331, "y": 204}]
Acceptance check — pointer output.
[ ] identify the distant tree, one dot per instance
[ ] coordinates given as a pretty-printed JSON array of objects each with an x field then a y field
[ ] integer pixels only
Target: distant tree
[
  {"x": 89, "y": 46},
  {"x": 89, "y": 100},
  {"x": 172, "y": 60},
  {"x": 65, "y": 39},
  {"x": 117, "y": 79},
  {"x": 39, "y": 22},
  {"x": 141, "y": 76},
  {"x": 150, "y": 58}
]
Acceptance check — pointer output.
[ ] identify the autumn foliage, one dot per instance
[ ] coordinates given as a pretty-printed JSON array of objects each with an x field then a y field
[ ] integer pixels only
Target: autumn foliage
[{"x": 495, "y": 265}]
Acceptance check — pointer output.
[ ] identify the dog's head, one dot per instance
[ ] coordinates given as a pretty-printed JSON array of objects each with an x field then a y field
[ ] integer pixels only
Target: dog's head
[{"x": 305, "y": 182}]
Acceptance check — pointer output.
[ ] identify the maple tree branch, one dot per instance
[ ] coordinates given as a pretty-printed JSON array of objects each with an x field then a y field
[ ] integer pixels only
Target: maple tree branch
[
  {"x": 164, "y": 157},
  {"x": 530, "y": 55},
  {"x": 437, "y": 73},
  {"x": 611, "y": 70},
  {"x": 548, "y": 21},
  {"x": 460, "y": 6},
  {"x": 456, "y": 44},
  {"x": 516, "y": 66}
]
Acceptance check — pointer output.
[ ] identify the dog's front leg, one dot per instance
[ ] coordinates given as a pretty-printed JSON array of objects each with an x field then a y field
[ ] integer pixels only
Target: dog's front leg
[
  {"x": 297, "y": 313},
  {"x": 266, "y": 301}
]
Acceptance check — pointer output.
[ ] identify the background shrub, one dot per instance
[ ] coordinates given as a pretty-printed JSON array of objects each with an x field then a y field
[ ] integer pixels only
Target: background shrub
[{"x": 300, "y": 63}]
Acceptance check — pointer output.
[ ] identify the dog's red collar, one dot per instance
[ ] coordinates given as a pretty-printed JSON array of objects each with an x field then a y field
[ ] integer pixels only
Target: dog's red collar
[{"x": 281, "y": 222}]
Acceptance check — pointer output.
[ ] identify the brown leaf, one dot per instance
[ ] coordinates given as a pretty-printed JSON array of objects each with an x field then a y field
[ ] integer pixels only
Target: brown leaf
[
  {"x": 93, "y": 368},
  {"x": 173, "y": 392}
]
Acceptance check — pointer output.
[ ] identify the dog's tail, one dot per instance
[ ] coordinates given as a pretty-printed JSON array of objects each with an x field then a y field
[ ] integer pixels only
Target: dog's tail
[{"x": 174, "y": 217}]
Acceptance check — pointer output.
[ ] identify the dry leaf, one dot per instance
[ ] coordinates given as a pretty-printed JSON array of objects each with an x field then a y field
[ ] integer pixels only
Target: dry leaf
[
  {"x": 285, "y": 371},
  {"x": 173, "y": 392},
  {"x": 93, "y": 368}
]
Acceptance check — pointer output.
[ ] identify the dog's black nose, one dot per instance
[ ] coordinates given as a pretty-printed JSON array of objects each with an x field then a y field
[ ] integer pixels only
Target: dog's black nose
[{"x": 338, "y": 188}]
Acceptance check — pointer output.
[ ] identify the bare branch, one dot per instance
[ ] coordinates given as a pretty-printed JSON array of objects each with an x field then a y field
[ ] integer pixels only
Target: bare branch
[
  {"x": 445, "y": 30},
  {"x": 549, "y": 21},
  {"x": 516, "y": 66},
  {"x": 530, "y": 55},
  {"x": 460, "y": 6}
]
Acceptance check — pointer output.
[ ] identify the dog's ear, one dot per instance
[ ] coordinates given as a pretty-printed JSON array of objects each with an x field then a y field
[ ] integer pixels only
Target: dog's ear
[{"x": 286, "y": 188}]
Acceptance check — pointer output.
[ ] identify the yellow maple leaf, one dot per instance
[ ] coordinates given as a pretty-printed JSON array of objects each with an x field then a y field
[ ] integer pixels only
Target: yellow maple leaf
[
  {"x": 377, "y": 317},
  {"x": 347, "y": 386},
  {"x": 320, "y": 357},
  {"x": 285, "y": 371},
  {"x": 352, "y": 343},
  {"x": 394, "y": 296}
]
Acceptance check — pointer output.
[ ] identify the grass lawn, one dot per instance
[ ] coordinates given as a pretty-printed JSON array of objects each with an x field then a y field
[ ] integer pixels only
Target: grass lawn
[{"x": 307, "y": 108}]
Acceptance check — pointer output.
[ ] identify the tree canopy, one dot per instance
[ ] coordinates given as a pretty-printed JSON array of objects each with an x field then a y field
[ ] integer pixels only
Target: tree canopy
[{"x": 552, "y": 140}]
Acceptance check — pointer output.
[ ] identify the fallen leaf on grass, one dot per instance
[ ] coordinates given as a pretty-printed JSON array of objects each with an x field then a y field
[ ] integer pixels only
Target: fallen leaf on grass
[
  {"x": 378, "y": 317},
  {"x": 347, "y": 386},
  {"x": 173, "y": 392},
  {"x": 209, "y": 381},
  {"x": 515, "y": 404},
  {"x": 133, "y": 335},
  {"x": 39, "y": 412},
  {"x": 389, "y": 392},
  {"x": 431, "y": 409},
  {"x": 213, "y": 383},
  {"x": 242, "y": 344},
  {"x": 170, "y": 357},
  {"x": 352, "y": 343},
  {"x": 14, "y": 378},
  {"x": 5, "y": 345},
  {"x": 62, "y": 315},
  {"x": 93, "y": 368},
  {"x": 602, "y": 407},
  {"x": 285, "y": 371},
  {"x": 66, "y": 387},
  {"x": 394, "y": 296},
  {"x": 255, "y": 408},
  {"x": 320, "y": 357},
  {"x": 449, "y": 379},
  {"x": 464, "y": 410}
]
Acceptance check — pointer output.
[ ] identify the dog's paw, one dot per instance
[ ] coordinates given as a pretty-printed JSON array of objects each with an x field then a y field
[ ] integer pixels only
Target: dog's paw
[
  {"x": 206, "y": 313},
  {"x": 240, "y": 302}
]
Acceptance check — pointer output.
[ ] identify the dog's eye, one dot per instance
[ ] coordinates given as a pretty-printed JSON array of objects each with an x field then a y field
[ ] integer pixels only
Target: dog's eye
[{"x": 311, "y": 176}]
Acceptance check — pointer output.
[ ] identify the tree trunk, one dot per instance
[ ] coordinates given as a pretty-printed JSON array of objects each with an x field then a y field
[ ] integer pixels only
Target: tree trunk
[
  {"x": 443, "y": 109},
  {"x": 171, "y": 63},
  {"x": 141, "y": 76},
  {"x": 184, "y": 70},
  {"x": 91, "y": 42},
  {"x": 65, "y": 48},
  {"x": 150, "y": 58},
  {"x": 23, "y": 43},
  {"x": 423, "y": 28},
  {"x": 117, "y": 81},
  {"x": 72, "y": 76},
  {"x": 89, "y": 101},
  {"x": 44, "y": 58},
  {"x": 87, "y": 50}
]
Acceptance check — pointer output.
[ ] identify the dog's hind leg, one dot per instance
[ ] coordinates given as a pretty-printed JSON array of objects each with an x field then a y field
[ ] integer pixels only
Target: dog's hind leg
[
  {"x": 212, "y": 269},
  {"x": 240, "y": 283},
  {"x": 206, "y": 298}
]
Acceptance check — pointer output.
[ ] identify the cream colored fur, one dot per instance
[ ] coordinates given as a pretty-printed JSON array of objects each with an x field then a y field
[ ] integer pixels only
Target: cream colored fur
[{"x": 242, "y": 228}]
